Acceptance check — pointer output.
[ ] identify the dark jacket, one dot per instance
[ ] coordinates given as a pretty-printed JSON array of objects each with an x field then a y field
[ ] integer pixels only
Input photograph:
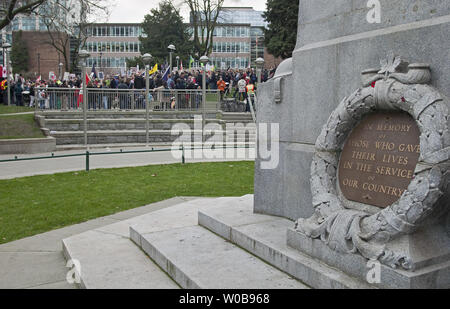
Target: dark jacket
[
  {"x": 122, "y": 85},
  {"x": 139, "y": 82}
]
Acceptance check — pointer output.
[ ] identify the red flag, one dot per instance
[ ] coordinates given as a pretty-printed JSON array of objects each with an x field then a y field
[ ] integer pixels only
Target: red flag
[
  {"x": 181, "y": 68},
  {"x": 38, "y": 79},
  {"x": 87, "y": 79}
]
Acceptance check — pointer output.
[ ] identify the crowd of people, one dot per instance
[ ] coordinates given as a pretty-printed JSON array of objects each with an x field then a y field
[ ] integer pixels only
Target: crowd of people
[{"x": 237, "y": 84}]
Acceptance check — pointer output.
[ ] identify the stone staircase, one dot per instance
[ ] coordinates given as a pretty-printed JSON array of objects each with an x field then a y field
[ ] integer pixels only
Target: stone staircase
[
  {"x": 109, "y": 128},
  {"x": 204, "y": 243}
]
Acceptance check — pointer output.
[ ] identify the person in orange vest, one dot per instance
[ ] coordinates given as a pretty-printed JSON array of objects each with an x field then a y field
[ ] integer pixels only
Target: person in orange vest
[
  {"x": 221, "y": 85},
  {"x": 250, "y": 90}
]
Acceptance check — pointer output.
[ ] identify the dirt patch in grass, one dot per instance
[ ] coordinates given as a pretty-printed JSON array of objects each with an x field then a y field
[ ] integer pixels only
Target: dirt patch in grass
[{"x": 19, "y": 126}]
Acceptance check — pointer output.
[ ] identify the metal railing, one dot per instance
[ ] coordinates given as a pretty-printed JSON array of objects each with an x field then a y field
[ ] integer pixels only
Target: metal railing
[
  {"x": 89, "y": 154},
  {"x": 125, "y": 99}
]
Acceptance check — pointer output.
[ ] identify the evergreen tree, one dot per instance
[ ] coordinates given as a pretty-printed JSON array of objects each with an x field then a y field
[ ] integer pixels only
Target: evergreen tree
[
  {"x": 164, "y": 26},
  {"x": 281, "y": 34},
  {"x": 19, "y": 54}
]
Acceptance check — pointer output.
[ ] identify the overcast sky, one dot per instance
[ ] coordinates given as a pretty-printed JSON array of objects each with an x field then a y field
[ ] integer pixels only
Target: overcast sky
[{"x": 133, "y": 11}]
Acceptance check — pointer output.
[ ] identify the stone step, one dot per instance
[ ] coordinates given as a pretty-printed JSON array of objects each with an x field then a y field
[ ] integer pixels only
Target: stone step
[
  {"x": 266, "y": 237},
  {"x": 110, "y": 260},
  {"x": 196, "y": 258},
  {"x": 118, "y": 114},
  {"x": 115, "y": 147},
  {"x": 132, "y": 136},
  {"x": 240, "y": 134},
  {"x": 121, "y": 124},
  {"x": 231, "y": 116}
]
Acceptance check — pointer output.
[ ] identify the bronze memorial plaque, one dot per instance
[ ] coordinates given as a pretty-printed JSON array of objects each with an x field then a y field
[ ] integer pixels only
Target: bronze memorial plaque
[{"x": 379, "y": 158}]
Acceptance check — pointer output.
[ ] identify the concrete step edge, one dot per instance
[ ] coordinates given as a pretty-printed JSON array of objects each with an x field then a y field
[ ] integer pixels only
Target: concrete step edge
[
  {"x": 289, "y": 260},
  {"x": 181, "y": 267}
]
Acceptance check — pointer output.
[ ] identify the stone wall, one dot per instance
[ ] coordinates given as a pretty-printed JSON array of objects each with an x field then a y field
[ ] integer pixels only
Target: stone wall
[
  {"x": 335, "y": 43},
  {"x": 27, "y": 145}
]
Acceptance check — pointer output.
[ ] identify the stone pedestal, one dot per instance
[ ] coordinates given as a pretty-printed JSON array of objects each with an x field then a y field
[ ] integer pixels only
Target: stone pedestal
[{"x": 313, "y": 98}]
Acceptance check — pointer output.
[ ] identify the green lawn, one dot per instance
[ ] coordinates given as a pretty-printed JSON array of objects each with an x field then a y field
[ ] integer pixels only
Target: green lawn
[
  {"x": 34, "y": 205},
  {"x": 19, "y": 126},
  {"x": 4, "y": 109}
]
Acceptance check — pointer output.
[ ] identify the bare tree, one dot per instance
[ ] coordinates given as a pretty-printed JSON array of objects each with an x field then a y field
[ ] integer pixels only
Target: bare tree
[
  {"x": 204, "y": 17},
  {"x": 70, "y": 20},
  {"x": 10, "y": 8}
]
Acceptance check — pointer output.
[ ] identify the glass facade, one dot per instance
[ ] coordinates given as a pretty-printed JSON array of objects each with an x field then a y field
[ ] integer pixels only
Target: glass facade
[
  {"x": 115, "y": 31},
  {"x": 113, "y": 47},
  {"x": 107, "y": 62},
  {"x": 229, "y": 62},
  {"x": 22, "y": 23},
  {"x": 231, "y": 47},
  {"x": 232, "y": 32},
  {"x": 29, "y": 23},
  {"x": 257, "y": 38},
  {"x": 240, "y": 31},
  {"x": 242, "y": 16}
]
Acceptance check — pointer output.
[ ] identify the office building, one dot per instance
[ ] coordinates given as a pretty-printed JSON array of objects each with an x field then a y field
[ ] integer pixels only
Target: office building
[
  {"x": 238, "y": 38},
  {"x": 110, "y": 45}
]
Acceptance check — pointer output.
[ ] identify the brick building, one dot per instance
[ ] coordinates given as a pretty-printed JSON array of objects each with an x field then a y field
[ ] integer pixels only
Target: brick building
[{"x": 43, "y": 57}]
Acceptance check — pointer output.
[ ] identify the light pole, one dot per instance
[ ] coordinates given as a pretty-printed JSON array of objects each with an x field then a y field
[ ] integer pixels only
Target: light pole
[
  {"x": 60, "y": 65},
  {"x": 9, "y": 72},
  {"x": 172, "y": 49},
  {"x": 147, "y": 58},
  {"x": 3, "y": 55},
  {"x": 204, "y": 60},
  {"x": 259, "y": 66},
  {"x": 39, "y": 64},
  {"x": 83, "y": 55},
  {"x": 6, "y": 47}
]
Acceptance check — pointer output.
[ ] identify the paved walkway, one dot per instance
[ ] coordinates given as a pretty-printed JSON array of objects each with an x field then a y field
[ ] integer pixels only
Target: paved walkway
[
  {"x": 38, "y": 263},
  {"x": 9, "y": 170},
  {"x": 15, "y": 114}
]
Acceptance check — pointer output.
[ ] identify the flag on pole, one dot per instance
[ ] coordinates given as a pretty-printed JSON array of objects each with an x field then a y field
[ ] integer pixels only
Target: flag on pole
[
  {"x": 154, "y": 70},
  {"x": 39, "y": 79},
  {"x": 52, "y": 76},
  {"x": 181, "y": 66},
  {"x": 87, "y": 79},
  {"x": 166, "y": 75},
  {"x": 191, "y": 61},
  {"x": 94, "y": 75}
]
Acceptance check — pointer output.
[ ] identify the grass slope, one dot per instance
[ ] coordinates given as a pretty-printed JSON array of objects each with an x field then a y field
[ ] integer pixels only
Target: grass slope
[
  {"x": 19, "y": 126},
  {"x": 4, "y": 109},
  {"x": 33, "y": 205}
]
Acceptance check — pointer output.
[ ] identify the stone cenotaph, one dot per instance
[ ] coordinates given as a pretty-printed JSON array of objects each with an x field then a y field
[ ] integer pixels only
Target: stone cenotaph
[{"x": 364, "y": 162}]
